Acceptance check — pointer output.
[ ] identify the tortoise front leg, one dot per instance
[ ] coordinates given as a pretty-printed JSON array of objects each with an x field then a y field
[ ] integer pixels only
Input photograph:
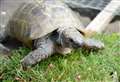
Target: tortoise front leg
[
  {"x": 45, "y": 48},
  {"x": 92, "y": 44}
]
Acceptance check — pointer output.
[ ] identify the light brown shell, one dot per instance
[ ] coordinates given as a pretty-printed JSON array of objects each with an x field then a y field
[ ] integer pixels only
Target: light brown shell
[{"x": 33, "y": 20}]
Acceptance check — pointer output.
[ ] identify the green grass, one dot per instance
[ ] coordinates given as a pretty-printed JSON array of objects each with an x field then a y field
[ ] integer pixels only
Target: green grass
[{"x": 79, "y": 66}]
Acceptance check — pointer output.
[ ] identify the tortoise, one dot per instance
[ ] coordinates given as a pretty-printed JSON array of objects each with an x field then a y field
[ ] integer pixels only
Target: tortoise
[{"x": 48, "y": 27}]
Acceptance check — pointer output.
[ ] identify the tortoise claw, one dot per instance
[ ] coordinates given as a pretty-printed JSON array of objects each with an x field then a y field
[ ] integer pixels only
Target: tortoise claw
[{"x": 93, "y": 44}]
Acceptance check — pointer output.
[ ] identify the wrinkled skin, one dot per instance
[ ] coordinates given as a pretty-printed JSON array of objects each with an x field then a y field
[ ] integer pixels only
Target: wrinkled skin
[
  {"x": 63, "y": 40},
  {"x": 59, "y": 42},
  {"x": 72, "y": 38},
  {"x": 68, "y": 38}
]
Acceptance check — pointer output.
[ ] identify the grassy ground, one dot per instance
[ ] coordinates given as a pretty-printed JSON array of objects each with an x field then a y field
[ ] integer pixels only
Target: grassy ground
[{"x": 79, "y": 66}]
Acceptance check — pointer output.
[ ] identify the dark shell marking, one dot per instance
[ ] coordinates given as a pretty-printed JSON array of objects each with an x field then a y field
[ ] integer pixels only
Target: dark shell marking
[{"x": 33, "y": 20}]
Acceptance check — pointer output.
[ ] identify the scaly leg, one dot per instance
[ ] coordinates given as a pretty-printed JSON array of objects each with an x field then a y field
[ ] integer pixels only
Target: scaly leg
[
  {"x": 45, "y": 48},
  {"x": 3, "y": 49},
  {"x": 93, "y": 44}
]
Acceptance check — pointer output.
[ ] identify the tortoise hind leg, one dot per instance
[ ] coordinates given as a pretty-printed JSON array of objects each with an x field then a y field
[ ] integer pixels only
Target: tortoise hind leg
[
  {"x": 3, "y": 49},
  {"x": 45, "y": 48}
]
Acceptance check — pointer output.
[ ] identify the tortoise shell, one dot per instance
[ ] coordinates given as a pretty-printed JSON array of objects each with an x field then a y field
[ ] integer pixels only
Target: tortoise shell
[{"x": 33, "y": 20}]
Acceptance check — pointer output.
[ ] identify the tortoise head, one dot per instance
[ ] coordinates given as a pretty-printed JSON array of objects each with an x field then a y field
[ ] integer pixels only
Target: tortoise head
[{"x": 70, "y": 37}]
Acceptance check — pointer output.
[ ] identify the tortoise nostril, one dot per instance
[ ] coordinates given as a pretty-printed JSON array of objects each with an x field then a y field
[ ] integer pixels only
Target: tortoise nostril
[{"x": 78, "y": 44}]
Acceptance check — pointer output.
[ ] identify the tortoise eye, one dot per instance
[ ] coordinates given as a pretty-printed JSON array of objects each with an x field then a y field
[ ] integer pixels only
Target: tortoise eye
[{"x": 71, "y": 40}]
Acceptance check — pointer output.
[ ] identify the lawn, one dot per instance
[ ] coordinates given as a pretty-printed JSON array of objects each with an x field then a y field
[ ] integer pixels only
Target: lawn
[{"x": 79, "y": 66}]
